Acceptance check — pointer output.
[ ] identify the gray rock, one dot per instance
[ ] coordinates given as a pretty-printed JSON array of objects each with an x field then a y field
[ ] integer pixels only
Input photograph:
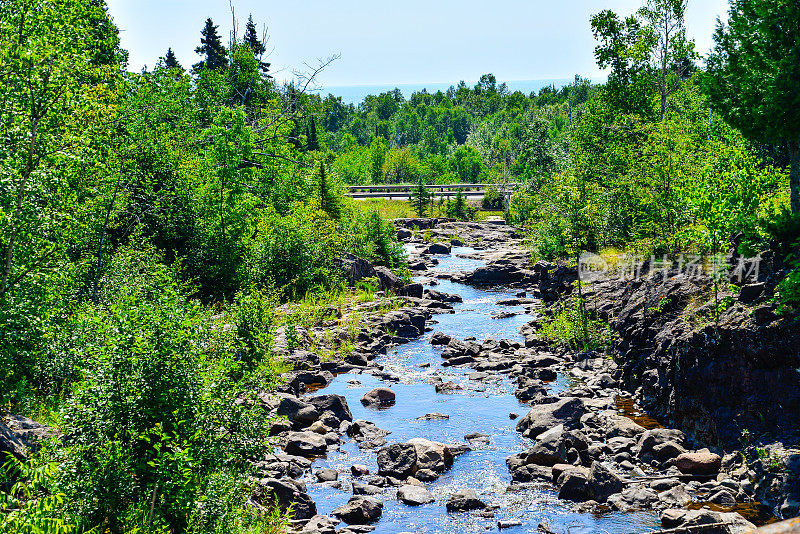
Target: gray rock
[
  {"x": 414, "y": 495},
  {"x": 305, "y": 444},
  {"x": 326, "y": 475},
  {"x": 366, "y": 489},
  {"x": 378, "y": 397},
  {"x": 320, "y": 524},
  {"x": 464, "y": 500},
  {"x": 359, "y": 511},
  {"x": 603, "y": 482},
  {"x": 573, "y": 484},
  {"x": 735, "y": 523},
  {"x": 288, "y": 493},
  {"x": 438, "y": 248},
  {"x": 398, "y": 460},
  {"x": 566, "y": 411},
  {"x": 632, "y": 498},
  {"x": 335, "y": 404}
]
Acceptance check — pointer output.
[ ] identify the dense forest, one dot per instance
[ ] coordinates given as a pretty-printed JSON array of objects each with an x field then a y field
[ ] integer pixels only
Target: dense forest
[{"x": 141, "y": 211}]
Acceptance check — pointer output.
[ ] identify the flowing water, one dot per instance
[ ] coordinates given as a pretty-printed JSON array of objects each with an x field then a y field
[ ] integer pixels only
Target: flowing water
[{"x": 482, "y": 406}]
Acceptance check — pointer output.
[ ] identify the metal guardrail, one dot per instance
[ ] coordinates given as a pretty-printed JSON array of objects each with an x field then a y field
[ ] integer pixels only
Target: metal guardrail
[{"x": 442, "y": 190}]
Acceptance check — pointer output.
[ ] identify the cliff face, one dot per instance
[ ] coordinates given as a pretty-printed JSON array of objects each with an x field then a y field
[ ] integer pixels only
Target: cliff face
[{"x": 714, "y": 376}]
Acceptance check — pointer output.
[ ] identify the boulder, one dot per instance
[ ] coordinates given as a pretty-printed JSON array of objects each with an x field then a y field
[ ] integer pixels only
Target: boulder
[
  {"x": 734, "y": 523},
  {"x": 403, "y": 233},
  {"x": 360, "y": 488},
  {"x": 464, "y": 500},
  {"x": 573, "y": 484},
  {"x": 619, "y": 425},
  {"x": 356, "y": 268},
  {"x": 378, "y": 397},
  {"x": 698, "y": 463},
  {"x": 432, "y": 455},
  {"x": 288, "y": 493},
  {"x": 567, "y": 411},
  {"x": 388, "y": 280},
  {"x": 603, "y": 482},
  {"x": 320, "y": 524},
  {"x": 413, "y": 289},
  {"x": 632, "y": 498},
  {"x": 300, "y": 413},
  {"x": 359, "y": 511},
  {"x": 439, "y": 338},
  {"x": 659, "y": 443},
  {"x": 335, "y": 404},
  {"x": 398, "y": 460},
  {"x": 413, "y": 495},
  {"x": 326, "y": 475},
  {"x": 499, "y": 272},
  {"x": 305, "y": 444},
  {"x": 437, "y": 248}
]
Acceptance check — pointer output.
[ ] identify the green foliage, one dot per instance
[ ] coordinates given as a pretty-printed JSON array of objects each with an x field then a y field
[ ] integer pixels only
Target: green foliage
[
  {"x": 28, "y": 507},
  {"x": 788, "y": 291},
  {"x": 152, "y": 414},
  {"x": 458, "y": 208},
  {"x": 328, "y": 199},
  {"x": 752, "y": 78},
  {"x": 421, "y": 198},
  {"x": 215, "y": 56},
  {"x": 574, "y": 327},
  {"x": 400, "y": 167}
]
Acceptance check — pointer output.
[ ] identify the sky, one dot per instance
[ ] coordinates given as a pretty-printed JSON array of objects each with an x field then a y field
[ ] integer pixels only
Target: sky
[{"x": 386, "y": 43}]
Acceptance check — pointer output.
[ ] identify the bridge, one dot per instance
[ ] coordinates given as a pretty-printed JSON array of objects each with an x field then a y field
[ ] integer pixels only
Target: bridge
[{"x": 403, "y": 191}]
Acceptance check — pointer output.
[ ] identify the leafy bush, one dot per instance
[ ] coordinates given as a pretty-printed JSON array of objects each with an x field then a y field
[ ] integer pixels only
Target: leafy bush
[
  {"x": 492, "y": 200},
  {"x": 573, "y": 326},
  {"x": 153, "y": 416},
  {"x": 788, "y": 291}
]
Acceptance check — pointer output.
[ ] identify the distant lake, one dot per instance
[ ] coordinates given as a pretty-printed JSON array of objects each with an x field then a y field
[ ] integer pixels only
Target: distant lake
[{"x": 354, "y": 94}]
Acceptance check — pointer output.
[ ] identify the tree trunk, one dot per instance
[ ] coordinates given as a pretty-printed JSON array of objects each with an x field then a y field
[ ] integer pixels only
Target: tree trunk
[{"x": 794, "y": 176}]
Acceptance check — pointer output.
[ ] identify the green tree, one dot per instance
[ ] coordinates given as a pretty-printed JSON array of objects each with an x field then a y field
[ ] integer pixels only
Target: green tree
[
  {"x": 421, "y": 198},
  {"x": 753, "y": 75},
  {"x": 458, "y": 208},
  {"x": 312, "y": 143},
  {"x": 377, "y": 152},
  {"x": 400, "y": 166},
  {"x": 328, "y": 200},
  {"x": 664, "y": 40},
  {"x": 170, "y": 61},
  {"x": 215, "y": 56},
  {"x": 257, "y": 46}
]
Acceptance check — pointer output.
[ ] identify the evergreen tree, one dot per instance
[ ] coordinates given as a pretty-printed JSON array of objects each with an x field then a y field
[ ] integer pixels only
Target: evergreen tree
[
  {"x": 753, "y": 76},
  {"x": 458, "y": 209},
  {"x": 328, "y": 200},
  {"x": 256, "y": 45},
  {"x": 215, "y": 54},
  {"x": 311, "y": 136},
  {"x": 421, "y": 198},
  {"x": 170, "y": 61}
]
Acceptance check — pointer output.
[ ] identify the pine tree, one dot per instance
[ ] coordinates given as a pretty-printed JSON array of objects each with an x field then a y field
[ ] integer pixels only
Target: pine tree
[
  {"x": 311, "y": 136},
  {"x": 256, "y": 45},
  {"x": 459, "y": 207},
  {"x": 328, "y": 200},
  {"x": 421, "y": 199},
  {"x": 216, "y": 56},
  {"x": 170, "y": 61}
]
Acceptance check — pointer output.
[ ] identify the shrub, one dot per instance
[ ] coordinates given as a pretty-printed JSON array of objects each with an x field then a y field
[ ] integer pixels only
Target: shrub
[
  {"x": 153, "y": 416},
  {"x": 573, "y": 326},
  {"x": 788, "y": 290}
]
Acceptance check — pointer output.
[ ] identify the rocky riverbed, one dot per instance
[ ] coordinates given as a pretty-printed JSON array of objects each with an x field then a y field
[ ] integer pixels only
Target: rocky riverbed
[{"x": 453, "y": 416}]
